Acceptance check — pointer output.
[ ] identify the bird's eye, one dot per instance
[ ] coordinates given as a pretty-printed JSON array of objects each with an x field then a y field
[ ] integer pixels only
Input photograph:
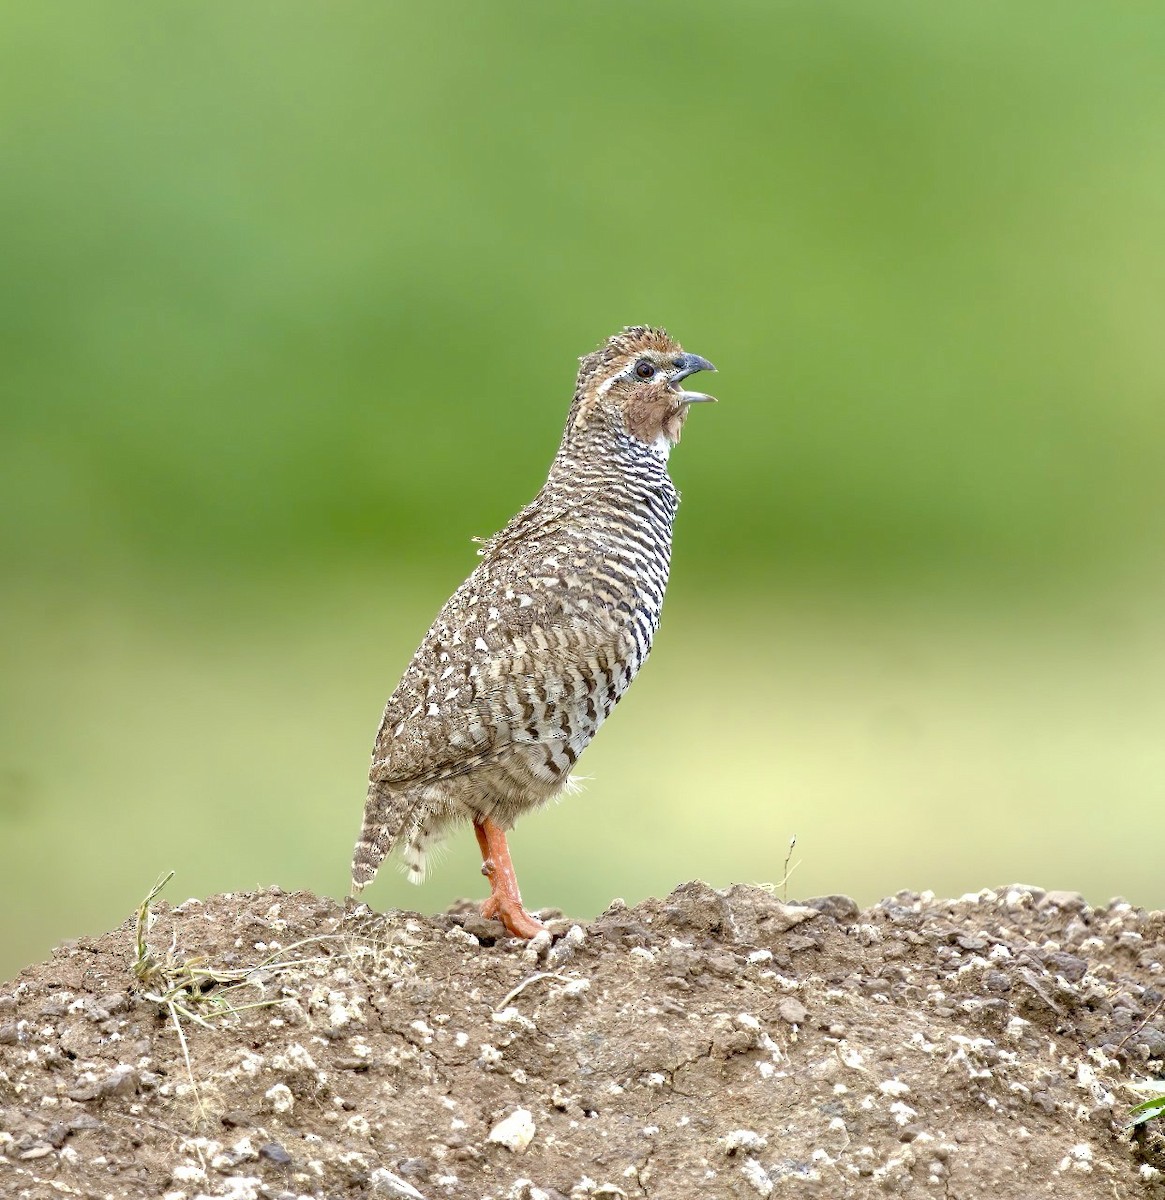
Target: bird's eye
[{"x": 644, "y": 369}]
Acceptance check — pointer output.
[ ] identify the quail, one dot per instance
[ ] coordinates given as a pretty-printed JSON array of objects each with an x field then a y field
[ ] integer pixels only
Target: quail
[{"x": 533, "y": 651}]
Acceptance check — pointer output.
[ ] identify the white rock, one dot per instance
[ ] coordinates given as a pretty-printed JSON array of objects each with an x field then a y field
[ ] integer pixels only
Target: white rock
[
  {"x": 241, "y": 1187},
  {"x": 526, "y": 1189},
  {"x": 187, "y": 1173},
  {"x": 893, "y": 1087},
  {"x": 393, "y": 1185},
  {"x": 515, "y": 1132},
  {"x": 296, "y": 1059},
  {"x": 280, "y": 1098},
  {"x": 757, "y": 1177},
  {"x": 512, "y": 1016},
  {"x": 1078, "y": 1158},
  {"x": 743, "y": 1139},
  {"x": 358, "y": 1126}
]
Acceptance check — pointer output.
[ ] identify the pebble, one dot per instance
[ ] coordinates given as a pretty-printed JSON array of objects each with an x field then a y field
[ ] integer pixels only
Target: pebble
[
  {"x": 121, "y": 1081},
  {"x": 1069, "y": 965},
  {"x": 386, "y": 1183},
  {"x": 515, "y": 1132},
  {"x": 743, "y": 1139},
  {"x": 280, "y": 1098},
  {"x": 792, "y": 1011},
  {"x": 757, "y": 1176},
  {"x": 841, "y": 908}
]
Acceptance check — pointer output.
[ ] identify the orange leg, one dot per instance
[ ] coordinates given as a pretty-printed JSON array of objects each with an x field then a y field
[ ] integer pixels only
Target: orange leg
[{"x": 505, "y": 901}]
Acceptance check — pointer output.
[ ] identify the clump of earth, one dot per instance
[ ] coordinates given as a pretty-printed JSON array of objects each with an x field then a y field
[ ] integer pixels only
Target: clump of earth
[{"x": 711, "y": 1043}]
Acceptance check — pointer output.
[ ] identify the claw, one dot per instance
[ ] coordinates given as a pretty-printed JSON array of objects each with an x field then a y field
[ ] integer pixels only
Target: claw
[{"x": 518, "y": 922}]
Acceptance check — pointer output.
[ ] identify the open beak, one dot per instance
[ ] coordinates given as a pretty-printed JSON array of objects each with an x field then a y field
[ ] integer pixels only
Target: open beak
[{"x": 689, "y": 365}]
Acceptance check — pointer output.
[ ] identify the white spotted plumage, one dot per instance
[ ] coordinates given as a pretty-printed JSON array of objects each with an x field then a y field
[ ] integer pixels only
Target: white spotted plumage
[{"x": 530, "y": 655}]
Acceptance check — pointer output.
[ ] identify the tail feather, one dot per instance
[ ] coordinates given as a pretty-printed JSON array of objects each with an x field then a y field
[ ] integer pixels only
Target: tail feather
[
  {"x": 424, "y": 840},
  {"x": 385, "y": 812}
]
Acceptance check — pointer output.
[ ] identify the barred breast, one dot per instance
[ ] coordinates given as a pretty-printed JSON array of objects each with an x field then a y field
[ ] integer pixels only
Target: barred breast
[{"x": 531, "y": 654}]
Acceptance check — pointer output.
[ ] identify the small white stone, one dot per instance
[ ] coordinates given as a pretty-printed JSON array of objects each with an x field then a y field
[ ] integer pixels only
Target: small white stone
[
  {"x": 512, "y": 1016},
  {"x": 393, "y": 1185},
  {"x": 757, "y": 1177},
  {"x": 515, "y": 1132},
  {"x": 280, "y": 1098},
  {"x": 244, "y": 1150},
  {"x": 250, "y": 1064},
  {"x": 526, "y": 1189},
  {"x": 241, "y": 1187},
  {"x": 743, "y": 1139},
  {"x": 296, "y": 1059},
  {"x": 893, "y": 1087}
]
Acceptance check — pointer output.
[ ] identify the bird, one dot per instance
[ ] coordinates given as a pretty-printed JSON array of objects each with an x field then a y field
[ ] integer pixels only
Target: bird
[{"x": 531, "y": 653}]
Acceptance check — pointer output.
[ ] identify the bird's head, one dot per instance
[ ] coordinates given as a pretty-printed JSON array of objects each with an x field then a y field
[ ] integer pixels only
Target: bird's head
[{"x": 634, "y": 383}]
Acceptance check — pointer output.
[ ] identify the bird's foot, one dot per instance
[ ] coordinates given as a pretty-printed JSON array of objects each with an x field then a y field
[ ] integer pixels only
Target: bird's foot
[
  {"x": 505, "y": 901},
  {"x": 518, "y": 922}
]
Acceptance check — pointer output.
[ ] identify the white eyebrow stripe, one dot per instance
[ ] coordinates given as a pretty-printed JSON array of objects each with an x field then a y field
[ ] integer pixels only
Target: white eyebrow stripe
[
  {"x": 627, "y": 372},
  {"x": 606, "y": 385}
]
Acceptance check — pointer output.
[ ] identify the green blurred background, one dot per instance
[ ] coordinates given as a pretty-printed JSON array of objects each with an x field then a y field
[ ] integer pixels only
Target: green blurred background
[{"x": 292, "y": 296}]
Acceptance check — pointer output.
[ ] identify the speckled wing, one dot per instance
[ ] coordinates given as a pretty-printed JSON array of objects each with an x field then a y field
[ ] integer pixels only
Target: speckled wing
[{"x": 517, "y": 655}]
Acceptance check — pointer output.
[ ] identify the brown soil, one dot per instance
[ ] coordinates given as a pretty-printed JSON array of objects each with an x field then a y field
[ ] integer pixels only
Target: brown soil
[{"x": 708, "y": 1044}]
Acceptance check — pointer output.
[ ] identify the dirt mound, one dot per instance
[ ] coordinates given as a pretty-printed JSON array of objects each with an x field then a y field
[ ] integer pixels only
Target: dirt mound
[{"x": 707, "y": 1044}]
